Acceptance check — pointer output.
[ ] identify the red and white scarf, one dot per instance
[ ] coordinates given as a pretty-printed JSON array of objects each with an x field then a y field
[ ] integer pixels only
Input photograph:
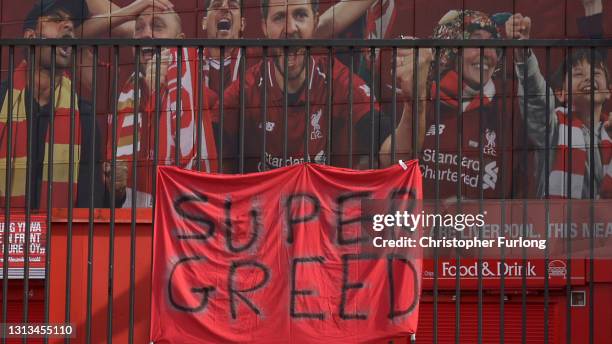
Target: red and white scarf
[
  {"x": 380, "y": 19},
  {"x": 471, "y": 100},
  {"x": 19, "y": 144},
  {"x": 580, "y": 154},
  {"x": 167, "y": 125}
]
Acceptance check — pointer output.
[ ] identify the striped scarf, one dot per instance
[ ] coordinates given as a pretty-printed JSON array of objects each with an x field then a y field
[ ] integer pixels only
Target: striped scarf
[
  {"x": 231, "y": 69},
  {"x": 19, "y": 154},
  {"x": 580, "y": 154},
  {"x": 471, "y": 98},
  {"x": 167, "y": 125}
]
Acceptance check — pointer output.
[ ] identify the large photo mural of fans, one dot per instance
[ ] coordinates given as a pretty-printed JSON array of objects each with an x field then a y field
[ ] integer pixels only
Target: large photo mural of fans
[
  {"x": 150, "y": 129},
  {"x": 381, "y": 84}
]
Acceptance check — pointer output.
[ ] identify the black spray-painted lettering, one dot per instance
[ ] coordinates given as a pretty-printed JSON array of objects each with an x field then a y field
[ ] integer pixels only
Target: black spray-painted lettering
[
  {"x": 303, "y": 292},
  {"x": 233, "y": 292},
  {"x": 291, "y": 221},
  {"x": 205, "y": 291},
  {"x": 179, "y": 204},
  {"x": 394, "y": 313},
  {"x": 346, "y": 285},
  {"x": 341, "y": 201},
  {"x": 256, "y": 225}
]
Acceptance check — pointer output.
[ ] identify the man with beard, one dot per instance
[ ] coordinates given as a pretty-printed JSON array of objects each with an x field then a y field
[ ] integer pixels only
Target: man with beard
[
  {"x": 223, "y": 20},
  {"x": 30, "y": 122},
  {"x": 307, "y": 139},
  {"x": 154, "y": 24}
]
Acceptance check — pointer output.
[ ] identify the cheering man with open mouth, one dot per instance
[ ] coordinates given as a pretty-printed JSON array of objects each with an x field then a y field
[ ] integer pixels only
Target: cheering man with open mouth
[
  {"x": 137, "y": 107},
  {"x": 307, "y": 79},
  {"x": 224, "y": 20}
]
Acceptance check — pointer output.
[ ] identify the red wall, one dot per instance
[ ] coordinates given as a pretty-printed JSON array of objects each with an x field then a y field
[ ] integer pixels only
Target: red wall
[{"x": 144, "y": 231}]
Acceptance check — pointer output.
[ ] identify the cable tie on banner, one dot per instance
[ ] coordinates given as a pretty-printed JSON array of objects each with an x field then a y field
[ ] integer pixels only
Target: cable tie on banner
[{"x": 403, "y": 164}]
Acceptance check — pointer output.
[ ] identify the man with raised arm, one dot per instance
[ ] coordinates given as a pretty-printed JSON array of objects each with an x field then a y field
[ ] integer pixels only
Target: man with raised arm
[
  {"x": 151, "y": 24},
  {"x": 297, "y": 19},
  {"x": 472, "y": 111},
  {"x": 532, "y": 89}
]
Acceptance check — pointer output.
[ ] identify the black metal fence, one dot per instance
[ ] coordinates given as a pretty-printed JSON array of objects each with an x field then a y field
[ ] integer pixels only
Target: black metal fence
[{"x": 234, "y": 151}]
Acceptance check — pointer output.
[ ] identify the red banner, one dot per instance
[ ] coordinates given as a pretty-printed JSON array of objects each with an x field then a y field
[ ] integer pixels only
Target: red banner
[
  {"x": 275, "y": 257},
  {"x": 16, "y": 241}
]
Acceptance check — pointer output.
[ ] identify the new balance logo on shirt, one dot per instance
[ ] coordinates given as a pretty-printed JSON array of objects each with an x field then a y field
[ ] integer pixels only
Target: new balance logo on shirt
[{"x": 432, "y": 130}]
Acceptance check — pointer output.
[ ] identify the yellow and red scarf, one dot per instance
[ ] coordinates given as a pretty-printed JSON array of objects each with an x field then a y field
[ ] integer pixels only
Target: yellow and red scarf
[{"x": 19, "y": 145}]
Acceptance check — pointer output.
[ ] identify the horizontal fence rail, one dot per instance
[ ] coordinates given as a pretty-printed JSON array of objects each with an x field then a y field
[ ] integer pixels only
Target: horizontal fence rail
[
  {"x": 499, "y": 158},
  {"x": 316, "y": 43}
]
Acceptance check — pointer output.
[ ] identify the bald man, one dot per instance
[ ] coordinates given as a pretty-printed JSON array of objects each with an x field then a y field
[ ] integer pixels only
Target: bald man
[{"x": 150, "y": 24}]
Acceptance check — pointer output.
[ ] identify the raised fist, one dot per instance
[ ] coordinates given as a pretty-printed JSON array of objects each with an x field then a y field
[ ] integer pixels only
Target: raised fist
[
  {"x": 405, "y": 70},
  {"x": 518, "y": 27},
  {"x": 592, "y": 7}
]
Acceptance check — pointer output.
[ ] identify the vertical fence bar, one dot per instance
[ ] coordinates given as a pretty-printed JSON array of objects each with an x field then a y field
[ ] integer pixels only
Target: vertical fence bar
[
  {"x": 502, "y": 139},
  {"x": 394, "y": 106},
  {"x": 28, "y": 188},
  {"x": 199, "y": 115},
  {"x": 330, "y": 103},
  {"x": 92, "y": 162},
  {"x": 156, "y": 143},
  {"x": 156, "y": 123},
  {"x": 179, "y": 107},
  {"x": 242, "y": 108},
  {"x": 568, "y": 310},
  {"x": 135, "y": 188},
  {"x": 307, "y": 121},
  {"x": 459, "y": 189},
  {"x": 285, "y": 104},
  {"x": 350, "y": 105},
  {"x": 480, "y": 189},
  {"x": 49, "y": 178},
  {"x": 111, "y": 238},
  {"x": 525, "y": 194},
  {"x": 264, "y": 110},
  {"x": 9, "y": 187},
  {"x": 415, "y": 103},
  {"x": 70, "y": 187},
  {"x": 547, "y": 196},
  {"x": 5, "y": 247},
  {"x": 437, "y": 193},
  {"x": 372, "y": 114},
  {"x": 221, "y": 104},
  {"x": 592, "y": 203}
]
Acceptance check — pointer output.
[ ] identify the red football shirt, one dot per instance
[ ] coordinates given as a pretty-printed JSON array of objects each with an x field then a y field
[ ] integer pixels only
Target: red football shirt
[
  {"x": 496, "y": 139},
  {"x": 212, "y": 69},
  {"x": 316, "y": 124}
]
